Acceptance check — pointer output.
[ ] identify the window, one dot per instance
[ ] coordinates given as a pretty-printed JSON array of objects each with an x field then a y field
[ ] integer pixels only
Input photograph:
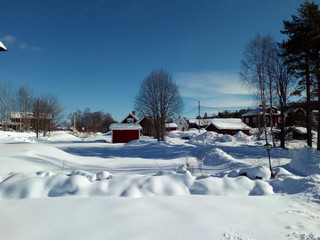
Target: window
[
  {"x": 254, "y": 119},
  {"x": 130, "y": 120}
]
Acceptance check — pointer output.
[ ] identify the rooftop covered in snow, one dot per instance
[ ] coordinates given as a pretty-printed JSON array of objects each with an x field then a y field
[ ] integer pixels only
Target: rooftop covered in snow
[
  {"x": 229, "y": 123},
  {"x": 125, "y": 126}
]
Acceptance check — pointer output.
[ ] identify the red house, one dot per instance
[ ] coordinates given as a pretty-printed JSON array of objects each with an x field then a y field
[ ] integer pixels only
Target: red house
[
  {"x": 125, "y": 132},
  {"x": 229, "y": 126},
  {"x": 171, "y": 127}
]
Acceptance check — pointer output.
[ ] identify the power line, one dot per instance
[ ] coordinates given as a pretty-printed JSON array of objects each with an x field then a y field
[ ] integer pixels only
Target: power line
[{"x": 190, "y": 111}]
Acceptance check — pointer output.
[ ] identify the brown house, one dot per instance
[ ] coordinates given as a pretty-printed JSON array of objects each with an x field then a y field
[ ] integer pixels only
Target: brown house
[
  {"x": 296, "y": 133},
  {"x": 295, "y": 117},
  {"x": 147, "y": 126},
  {"x": 25, "y": 121},
  {"x": 255, "y": 119}
]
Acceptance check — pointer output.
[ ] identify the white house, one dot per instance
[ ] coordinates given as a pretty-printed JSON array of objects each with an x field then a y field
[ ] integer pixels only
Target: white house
[{"x": 182, "y": 124}]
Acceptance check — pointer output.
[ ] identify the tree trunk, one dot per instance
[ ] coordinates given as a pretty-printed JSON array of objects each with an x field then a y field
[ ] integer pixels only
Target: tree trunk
[
  {"x": 318, "y": 139},
  {"x": 308, "y": 107}
]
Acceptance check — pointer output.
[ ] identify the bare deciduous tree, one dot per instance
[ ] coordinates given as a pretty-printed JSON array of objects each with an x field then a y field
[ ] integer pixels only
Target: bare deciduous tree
[
  {"x": 48, "y": 112},
  {"x": 254, "y": 74},
  {"x": 283, "y": 83},
  {"x": 25, "y": 102},
  {"x": 159, "y": 98},
  {"x": 7, "y": 103},
  {"x": 92, "y": 121}
]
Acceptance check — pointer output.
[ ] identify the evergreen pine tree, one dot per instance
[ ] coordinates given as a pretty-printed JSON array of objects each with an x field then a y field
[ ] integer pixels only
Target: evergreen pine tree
[{"x": 302, "y": 53}]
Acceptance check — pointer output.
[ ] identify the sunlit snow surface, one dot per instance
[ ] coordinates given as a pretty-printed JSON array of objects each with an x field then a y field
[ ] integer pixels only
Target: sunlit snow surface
[{"x": 68, "y": 187}]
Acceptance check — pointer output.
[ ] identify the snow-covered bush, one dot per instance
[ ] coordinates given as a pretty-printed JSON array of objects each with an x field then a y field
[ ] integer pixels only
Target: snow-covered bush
[
  {"x": 103, "y": 175},
  {"x": 259, "y": 172}
]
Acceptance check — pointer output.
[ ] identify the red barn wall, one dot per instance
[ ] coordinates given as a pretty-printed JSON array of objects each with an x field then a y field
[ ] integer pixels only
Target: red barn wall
[{"x": 125, "y": 136}]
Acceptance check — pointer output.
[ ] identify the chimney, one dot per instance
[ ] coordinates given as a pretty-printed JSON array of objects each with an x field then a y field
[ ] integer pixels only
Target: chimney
[{"x": 133, "y": 113}]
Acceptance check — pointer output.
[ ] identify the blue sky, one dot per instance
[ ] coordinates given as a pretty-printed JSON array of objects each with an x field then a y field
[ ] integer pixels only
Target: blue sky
[{"x": 95, "y": 53}]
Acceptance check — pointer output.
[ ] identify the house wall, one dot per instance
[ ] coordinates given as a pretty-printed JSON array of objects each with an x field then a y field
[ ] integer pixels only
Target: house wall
[
  {"x": 255, "y": 121},
  {"x": 169, "y": 129},
  {"x": 147, "y": 127},
  {"x": 125, "y": 136},
  {"x": 182, "y": 124},
  {"x": 297, "y": 118}
]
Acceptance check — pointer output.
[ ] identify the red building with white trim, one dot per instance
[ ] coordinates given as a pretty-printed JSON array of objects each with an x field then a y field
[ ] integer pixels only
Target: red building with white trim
[{"x": 125, "y": 132}]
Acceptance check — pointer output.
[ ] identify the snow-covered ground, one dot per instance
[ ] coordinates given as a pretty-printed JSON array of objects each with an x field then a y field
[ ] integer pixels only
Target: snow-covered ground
[{"x": 208, "y": 186}]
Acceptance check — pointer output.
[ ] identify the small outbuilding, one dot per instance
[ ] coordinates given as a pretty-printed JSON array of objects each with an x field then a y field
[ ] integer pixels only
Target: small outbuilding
[
  {"x": 171, "y": 127},
  {"x": 229, "y": 126},
  {"x": 125, "y": 132}
]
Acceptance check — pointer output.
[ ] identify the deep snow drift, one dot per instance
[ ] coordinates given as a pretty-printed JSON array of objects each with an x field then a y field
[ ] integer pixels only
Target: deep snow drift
[{"x": 214, "y": 178}]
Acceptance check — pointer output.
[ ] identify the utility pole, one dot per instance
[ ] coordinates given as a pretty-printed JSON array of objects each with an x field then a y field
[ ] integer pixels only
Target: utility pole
[
  {"x": 199, "y": 114},
  {"x": 37, "y": 119},
  {"x": 74, "y": 123}
]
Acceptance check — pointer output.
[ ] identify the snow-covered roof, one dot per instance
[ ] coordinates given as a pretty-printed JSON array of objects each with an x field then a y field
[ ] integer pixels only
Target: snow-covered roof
[
  {"x": 142, "y": 118},
  {"x": 259, "y": 111},
  {"x": 229, "y": 123},
  {"x": 21, "y": 115},
  {"x": 130, "y": 115},
  {"x": 203, "y": 121},
  {"x": 300, "y": 130},
  {"x": 256, "y": 111},
  {"x": 171, "y": 125},
  {"x": 125, "y": 126},
  {"x": 2, "y": 47}
]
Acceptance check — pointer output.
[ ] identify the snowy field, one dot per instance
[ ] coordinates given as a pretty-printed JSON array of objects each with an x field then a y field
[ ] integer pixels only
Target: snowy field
[{"x": 68, "y": 187}]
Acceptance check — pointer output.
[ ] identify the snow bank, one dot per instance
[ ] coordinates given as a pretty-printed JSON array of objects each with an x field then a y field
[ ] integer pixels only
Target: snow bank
[
  {"x": 308, "y": 186},
  {"x": 240, "y": 186},
  {"x": 306, "y": 161},
  {"x": 163, "y": 183},
  {"x": 205, "y": 138}
]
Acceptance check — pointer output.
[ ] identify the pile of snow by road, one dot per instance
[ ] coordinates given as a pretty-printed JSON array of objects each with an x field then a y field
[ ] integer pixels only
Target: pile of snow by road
[
  {"x": 192, "y": 169},
  {"x": 306, "y": 161}
]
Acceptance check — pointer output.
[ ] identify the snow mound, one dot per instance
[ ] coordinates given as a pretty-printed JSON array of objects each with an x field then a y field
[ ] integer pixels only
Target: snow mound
[
  {"x": 306, "y": 161},
  {"x": 241, "y": 137},
  {"x": 216, "y": 157},
  {"x": 209, "y": 137},
  {"x": 240, "y": 186},
  {"x": 206, "y": 138},
  {"x": 163, "y": 183}
]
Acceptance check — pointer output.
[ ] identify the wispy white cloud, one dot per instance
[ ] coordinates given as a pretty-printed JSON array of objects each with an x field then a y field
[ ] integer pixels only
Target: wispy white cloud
[
  {"x": 215, "y": 90},
  {"x": 13, "y": 42}
]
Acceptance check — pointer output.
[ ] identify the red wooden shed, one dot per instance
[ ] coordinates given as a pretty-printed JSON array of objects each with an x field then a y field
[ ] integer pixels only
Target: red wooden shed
[{"x": 125, "y": 132}]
